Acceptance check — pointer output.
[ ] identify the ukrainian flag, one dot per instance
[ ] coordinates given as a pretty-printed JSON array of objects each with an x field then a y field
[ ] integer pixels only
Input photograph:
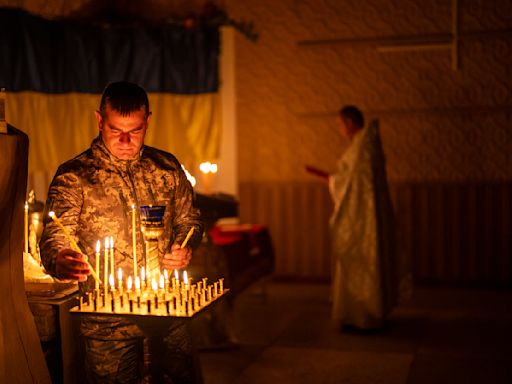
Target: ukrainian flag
[{"x": 54, "y": 73}]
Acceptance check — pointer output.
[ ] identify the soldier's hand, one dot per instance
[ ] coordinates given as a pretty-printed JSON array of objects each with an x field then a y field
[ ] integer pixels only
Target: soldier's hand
[
  {"x": 178, "y": 258},
  {"x": 71, "y": 265}
]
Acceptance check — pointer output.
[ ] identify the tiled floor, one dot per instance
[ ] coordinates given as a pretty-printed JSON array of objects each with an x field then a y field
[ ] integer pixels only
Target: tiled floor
[{"x": 440, "y": 336}]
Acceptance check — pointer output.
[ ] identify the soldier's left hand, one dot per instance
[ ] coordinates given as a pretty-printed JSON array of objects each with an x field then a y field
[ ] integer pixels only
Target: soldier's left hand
[{"x": 178, "y": 258}]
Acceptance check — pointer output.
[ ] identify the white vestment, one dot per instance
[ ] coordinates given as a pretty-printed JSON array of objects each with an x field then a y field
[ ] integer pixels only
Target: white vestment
[{"x": 366, "y": 274}]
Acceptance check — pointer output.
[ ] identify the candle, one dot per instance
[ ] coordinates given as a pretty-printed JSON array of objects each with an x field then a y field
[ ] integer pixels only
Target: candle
[
  {"x": 120, "y": 278},
  {"x": 143, "y": 276},
  {"x": 189, "y": 234},
  {"x": 129, "y": 283},
  {"x": 73, "y": 243},
  {"x": 112, "y": 283},
  {"x": 112, "y": 268},
  {"x": 26, "y": 227},
  {"x": 105, "y": 266},
  {"x": 97, "y": 264},
  {"x": 154, "y": 286},
  {"x": 185, "y": 279},
  {"x": 162, "y": 282},
  {"x": 137, "y": 284},
  {"x": 134, "y": 240},
  {"x": 166, "y": 278}
]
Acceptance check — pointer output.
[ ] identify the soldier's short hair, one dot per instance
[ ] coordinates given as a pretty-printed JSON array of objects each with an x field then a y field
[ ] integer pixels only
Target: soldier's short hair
[
  {"x": 124, "y": 97},
  {"x": 353, "y": 113}
]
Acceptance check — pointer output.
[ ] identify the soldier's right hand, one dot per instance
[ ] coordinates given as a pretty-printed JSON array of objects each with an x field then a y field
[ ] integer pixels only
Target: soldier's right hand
[{"x": 71, "y": 265}]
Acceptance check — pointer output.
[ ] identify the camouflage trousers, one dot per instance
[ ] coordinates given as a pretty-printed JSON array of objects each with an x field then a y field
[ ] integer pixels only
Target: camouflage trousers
[{"x": 151, "y": 351}]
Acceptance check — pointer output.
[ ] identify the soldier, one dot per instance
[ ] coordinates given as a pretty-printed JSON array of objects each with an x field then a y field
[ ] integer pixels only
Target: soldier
[{"x": 92, "y": 195}]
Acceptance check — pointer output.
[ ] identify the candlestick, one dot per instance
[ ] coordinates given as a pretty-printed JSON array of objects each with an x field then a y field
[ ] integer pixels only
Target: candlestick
[
  {"x": 134, "y": 240},
  {"x": 73, "y": 243},
  {"x": 26, "y": 227},
  {"x": 97, "y": 264}
]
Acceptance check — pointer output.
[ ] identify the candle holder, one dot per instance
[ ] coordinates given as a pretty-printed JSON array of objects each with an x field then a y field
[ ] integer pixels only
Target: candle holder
[{"x": 152, "y": 227}]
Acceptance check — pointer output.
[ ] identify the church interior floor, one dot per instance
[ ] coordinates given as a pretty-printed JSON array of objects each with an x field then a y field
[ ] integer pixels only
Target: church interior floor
[{"x": 440, "y": 335}]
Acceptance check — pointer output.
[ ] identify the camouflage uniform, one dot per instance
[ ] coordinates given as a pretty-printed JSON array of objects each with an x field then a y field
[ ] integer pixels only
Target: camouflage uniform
[{"x": 92, "y": 195}]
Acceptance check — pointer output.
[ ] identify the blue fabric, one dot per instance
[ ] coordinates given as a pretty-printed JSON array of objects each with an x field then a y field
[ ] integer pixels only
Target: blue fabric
[{"x": 59, "y": 57}]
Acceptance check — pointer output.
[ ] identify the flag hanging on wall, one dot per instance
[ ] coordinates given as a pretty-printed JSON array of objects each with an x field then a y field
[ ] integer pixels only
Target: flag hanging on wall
[{"x": 54, "y": 73}]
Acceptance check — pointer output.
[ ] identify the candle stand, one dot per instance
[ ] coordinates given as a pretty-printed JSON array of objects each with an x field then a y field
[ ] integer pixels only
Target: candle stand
[{"x": 176, "y": 299}]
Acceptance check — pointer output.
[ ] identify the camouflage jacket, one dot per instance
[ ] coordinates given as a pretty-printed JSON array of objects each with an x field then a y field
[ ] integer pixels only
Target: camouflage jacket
[{"x": 93, "y": 193}]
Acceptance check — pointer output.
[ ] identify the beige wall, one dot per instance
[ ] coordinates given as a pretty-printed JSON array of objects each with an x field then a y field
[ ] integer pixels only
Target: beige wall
[
  {"x": 445, "y": 123},
  {"x": 437, "y": 123}
]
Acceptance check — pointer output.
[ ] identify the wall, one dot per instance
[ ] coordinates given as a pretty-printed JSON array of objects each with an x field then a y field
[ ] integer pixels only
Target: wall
[{"x": 444, "y": 106}]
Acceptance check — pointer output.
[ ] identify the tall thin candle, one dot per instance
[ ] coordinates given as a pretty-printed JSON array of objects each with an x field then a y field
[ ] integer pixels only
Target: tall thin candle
[
  {"x": 105, "y": 266},
  {"x": 97, "y": 264},
  {"x": 112, "y": 266},
  {"x": 134, "y": 240},
  {"x": 73, "y": 243}
]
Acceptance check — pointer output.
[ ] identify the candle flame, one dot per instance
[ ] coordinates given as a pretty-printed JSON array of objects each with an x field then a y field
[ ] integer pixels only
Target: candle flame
[
  {"x": 176, "y": 275},
  {"x": 185, "y": 277},
  {"x": 153, "y": 284},
  {"x": 137, "y": 283},
  {"x": 107, "y": 241},
  {"x": 162, "y": 282},
  {"x": 26, "y": 206},
  {"x": 111, "y": 280},
  {"x": 129, "y": 283},
  {"x": 120, "y": 274},
  {"x": 166, "y": 275},
  {"x": 98, "y": 246},
  {"x": 143, "y": 274},
  {"x": 51, "y": 214},
  {"x": 208, "y": 167}
]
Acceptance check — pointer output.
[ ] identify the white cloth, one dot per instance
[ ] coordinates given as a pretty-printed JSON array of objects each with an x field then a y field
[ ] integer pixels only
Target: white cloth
[{"x": 366, "y": 272}]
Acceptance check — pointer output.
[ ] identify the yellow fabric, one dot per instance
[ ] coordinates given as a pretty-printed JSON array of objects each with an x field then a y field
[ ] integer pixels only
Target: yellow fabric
[{"x": 62, "y": 126}]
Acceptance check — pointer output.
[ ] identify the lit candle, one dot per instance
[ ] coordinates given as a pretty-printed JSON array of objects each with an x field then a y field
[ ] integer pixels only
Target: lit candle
[
  {"x": 73, "y": 243},
  {"x": 185, "y": 279},
  {"x": 26, "y": 227},
  {"x": 143, "y": 276},
  {"x": 154, "y": 285},
  {"x": 162, "y": 282},
  {"x": 176, "y": 276},
  {"x": 120, "y": 278},
  {"x": 129, "y": 283},
  {"x": 97, "y": 264},
  {"x": 166, "y": 279},
  {"x": 112, "y": 267},
  {"x": 187, "y": 238},
  {"x": 112, "y": 282},
  {"x": 134, "y": 240},
  {"x": 105, "y": 266},
  {"x": 137, "y": 284}
]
